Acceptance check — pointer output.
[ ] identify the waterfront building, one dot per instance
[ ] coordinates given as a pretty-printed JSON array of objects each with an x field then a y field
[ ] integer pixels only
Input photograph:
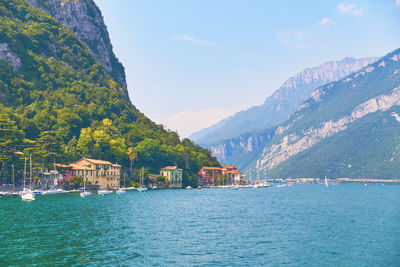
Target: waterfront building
[
  {"x": 211, "y": 175},
  {"x": 101, "y": 173},
  {"x": 174, "y": 175}
]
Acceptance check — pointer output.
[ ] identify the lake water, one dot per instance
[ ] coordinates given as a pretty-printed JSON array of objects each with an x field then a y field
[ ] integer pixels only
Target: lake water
[{"x": 306, "y": 225}]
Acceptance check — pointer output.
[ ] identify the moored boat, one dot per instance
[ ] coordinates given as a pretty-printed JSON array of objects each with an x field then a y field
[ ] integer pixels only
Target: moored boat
[
  {"x": 85, "y": 194},
  {"x": 120, "y": 191},
  {"x": 28, "y": 196},
  {"x": 104, "y": 192}
]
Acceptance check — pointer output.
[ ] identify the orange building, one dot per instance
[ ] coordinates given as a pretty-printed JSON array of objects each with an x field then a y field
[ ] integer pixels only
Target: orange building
[{"x": 210, "y": 175}]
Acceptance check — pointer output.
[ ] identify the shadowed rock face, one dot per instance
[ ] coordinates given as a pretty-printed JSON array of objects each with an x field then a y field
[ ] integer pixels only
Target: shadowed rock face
[
  {"x": 8, "y": 56},
  {"x": 84, "y": 18}
]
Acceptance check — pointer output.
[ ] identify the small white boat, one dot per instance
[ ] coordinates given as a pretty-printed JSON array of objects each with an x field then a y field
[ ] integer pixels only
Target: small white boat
[
  {"x": 104, "y": 192},
  {"x": 120, "y": 191},
  {"x": 53, "y": 192},
  {"x": 130, "y": 188},
  {"x": 142, "y": 189},
  {"x": 85, "y": 194},
  {"x": 256, "y": 186},
  {"x": 189, "y": 188},
  {"x": 284, "y": 185},
  {"x": 28, "y": 196}
]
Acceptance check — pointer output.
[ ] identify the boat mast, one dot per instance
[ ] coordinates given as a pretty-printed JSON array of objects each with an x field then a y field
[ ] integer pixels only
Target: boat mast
[
  {"x": 41, "y": 178},
  {"x": 25, "y": 175},
  {"x": 84, "y": 174},
  {"x": 13, "y": 177},
  {"x": 30, "y": 170}
]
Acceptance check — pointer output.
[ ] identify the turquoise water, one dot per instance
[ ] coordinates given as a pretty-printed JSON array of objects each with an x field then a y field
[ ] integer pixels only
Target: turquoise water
[{"x": 306, "y": 225}]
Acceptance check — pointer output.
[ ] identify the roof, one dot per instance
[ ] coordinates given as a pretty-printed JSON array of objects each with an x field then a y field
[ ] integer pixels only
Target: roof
[
  {"x": 212, "y": 168},
  {"x": 170, "y": 168},
  {"x": 229, "y": 166},
  {"x": 234, "y": 172},
  {"x": 99, "y": 161},
  {"x": 79, "y": 163},
  {"x": 61, "y": 165}
]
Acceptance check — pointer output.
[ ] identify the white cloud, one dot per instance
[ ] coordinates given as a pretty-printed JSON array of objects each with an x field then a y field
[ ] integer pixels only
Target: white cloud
[
  {"x": 349, "y": 9},
  {"x": 188, "y": 122},
  {"x": 327, "y": 21},
  {"x": 397, "y": 3},
  {"x": 193, "y": 40}
]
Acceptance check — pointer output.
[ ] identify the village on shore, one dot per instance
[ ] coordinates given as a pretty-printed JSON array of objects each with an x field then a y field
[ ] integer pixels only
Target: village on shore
[{"x": 105, "y": 177}]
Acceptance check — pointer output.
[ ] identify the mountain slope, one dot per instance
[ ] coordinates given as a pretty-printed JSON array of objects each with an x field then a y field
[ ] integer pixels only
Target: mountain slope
[
  {"x": 62, "y": 104},
  {"x": 243, "y": 151},
  {"x": 281, "y": 103},
  {"x": 84, "y": 18},
  {"x": 348, "y": 128}
]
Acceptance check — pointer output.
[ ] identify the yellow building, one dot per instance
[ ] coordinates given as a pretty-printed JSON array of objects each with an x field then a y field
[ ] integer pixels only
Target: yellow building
[
  {"x": 174, "y": 175},
  {"x": 98, "y": 172}
]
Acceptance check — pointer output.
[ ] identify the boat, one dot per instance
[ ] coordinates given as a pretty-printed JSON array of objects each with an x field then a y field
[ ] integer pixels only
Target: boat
[
  {"x": 54, "y": 191},
  {"x": 235, "y": 187},
  {"x": 84, "y": 193},
  {"x": 142, "y": 188},
  {"x": 131, "y": 188},
  {"x": 326, "y": 182},
  {"x": 189, "y": 188},
  {"x": 120, "y": 191},
  {"x": 284, "y": 185},
  {"x": 27, "y": 194},
  {"x": 104, "y": 192},
  {"x": 255, "y": 186}
]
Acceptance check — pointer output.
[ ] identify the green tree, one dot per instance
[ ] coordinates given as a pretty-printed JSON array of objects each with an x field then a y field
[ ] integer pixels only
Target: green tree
[{"x": 75, "y": 181}]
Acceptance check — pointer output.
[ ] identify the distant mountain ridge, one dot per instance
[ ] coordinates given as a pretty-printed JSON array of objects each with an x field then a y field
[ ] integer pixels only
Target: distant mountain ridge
[
  {"x": 281, "y": 103},
  {"x": 348, "y": 128}
]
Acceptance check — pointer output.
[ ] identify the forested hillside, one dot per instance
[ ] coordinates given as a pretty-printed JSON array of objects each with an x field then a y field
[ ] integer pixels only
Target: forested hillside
[{"x": 59, "y": 103}]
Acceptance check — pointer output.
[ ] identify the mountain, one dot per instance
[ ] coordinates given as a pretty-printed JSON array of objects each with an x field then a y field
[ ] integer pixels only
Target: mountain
[
  {"x": 84, "y": 18},
  {"x": 280, "y": 104},
  {"x": 348, "y": 128},
  {"x": 243, "y": 151},
  {"x": 58, "y": 102}
]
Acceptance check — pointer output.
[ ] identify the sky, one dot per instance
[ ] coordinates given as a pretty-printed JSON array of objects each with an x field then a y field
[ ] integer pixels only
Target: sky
[{"x": 190, "y": 63}]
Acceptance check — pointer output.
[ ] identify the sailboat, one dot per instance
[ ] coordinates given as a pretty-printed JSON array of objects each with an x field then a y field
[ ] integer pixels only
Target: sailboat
[
  {"x": 142, "y": 188},
  {"x": 27, "y": 195},
  {"x": 121, "y": 190},
  {"x": 326, "y": 182},
  {"x": 84, "y": 193}
]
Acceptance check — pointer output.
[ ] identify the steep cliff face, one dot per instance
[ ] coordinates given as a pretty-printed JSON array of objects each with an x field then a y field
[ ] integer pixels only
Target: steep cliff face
[
  {"x": 311, "y": 142},
  {"x": 280, "y": 104},
  {"x": 84, "y": 18},
  {"x": 243, "y": 150}
]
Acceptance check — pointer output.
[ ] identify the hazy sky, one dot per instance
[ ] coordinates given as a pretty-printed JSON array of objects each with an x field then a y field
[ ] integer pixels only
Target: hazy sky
[{"x": 189, "y": 63}]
